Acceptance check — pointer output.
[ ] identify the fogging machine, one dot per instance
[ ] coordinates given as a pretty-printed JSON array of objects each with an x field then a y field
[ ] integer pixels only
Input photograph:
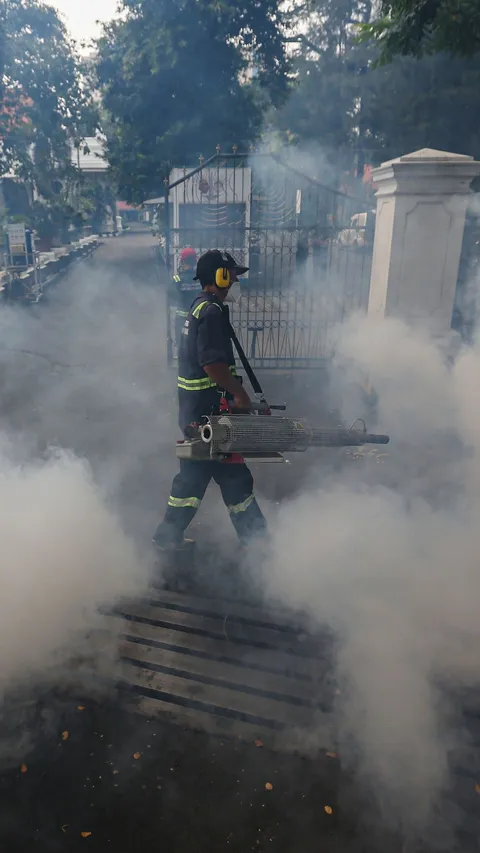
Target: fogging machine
[
  {"x": 231, "y": 436},
  {"x": 234, "y": 437}
]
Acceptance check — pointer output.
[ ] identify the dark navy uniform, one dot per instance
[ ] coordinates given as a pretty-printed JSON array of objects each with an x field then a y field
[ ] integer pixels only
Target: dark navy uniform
[
  {"x": 205, "y": 339},
  {"x": 183, "y": 292}
]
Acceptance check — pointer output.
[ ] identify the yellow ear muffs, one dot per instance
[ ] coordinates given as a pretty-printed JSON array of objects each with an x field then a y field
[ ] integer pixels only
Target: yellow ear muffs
[{"x": 222, "y": 277}]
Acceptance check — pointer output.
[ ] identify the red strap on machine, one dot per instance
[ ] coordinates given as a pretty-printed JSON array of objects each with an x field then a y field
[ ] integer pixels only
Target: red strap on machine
[{"x": 233, "y": 459}]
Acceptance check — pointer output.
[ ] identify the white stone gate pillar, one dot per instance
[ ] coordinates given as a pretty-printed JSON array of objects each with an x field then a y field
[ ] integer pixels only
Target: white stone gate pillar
[{"x": 422, "y": 201}]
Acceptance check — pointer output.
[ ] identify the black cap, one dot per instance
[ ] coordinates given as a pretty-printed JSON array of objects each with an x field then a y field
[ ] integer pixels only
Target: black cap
[{"x": 214, "y": 260}]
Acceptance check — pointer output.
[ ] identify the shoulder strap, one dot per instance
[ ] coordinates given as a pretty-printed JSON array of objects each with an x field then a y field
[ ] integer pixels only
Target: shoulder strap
[{"x": 243, "y": 358}]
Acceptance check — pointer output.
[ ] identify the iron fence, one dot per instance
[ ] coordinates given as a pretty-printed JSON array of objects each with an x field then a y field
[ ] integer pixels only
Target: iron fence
[{"x": 308, "y": 246}]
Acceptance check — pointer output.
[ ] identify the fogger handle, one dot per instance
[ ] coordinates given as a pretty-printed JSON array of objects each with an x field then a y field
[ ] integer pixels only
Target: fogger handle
[
  {"x": 262, "y": 407},
  {"x": 259, "y": 407}
]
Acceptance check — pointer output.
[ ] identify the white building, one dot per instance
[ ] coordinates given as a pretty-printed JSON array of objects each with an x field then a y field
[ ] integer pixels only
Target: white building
[{"x": 90, "y": 156}]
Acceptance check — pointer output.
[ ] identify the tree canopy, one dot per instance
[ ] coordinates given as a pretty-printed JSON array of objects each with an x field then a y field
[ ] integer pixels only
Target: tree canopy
[
  {"x": 358, "y": 111},
  {"x": 43, "y": 104},
  {"x": 180, "y": 77},
  {"x": 45, "y": 108},
  {"x": 422, "y": 27}
]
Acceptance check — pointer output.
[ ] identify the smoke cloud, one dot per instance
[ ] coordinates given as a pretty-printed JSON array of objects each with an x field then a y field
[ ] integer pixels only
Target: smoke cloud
[
  {"x": 64, "y": 556},
  {"x": 85, "y": 416},
  {"x": 389, "y": 558}
]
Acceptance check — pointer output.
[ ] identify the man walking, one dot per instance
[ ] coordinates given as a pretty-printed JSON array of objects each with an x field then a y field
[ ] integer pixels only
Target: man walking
[{"x": 206, "y": 372}]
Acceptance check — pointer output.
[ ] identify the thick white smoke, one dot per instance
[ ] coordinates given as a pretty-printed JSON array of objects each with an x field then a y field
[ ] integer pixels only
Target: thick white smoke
[
  {"x": 64, "y": 556},
  {"x": 390, "y": 560},
  {"x": 80, "y": 372}
]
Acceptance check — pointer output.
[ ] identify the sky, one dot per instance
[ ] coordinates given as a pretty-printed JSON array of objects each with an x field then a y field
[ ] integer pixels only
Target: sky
[{"x": 81, "y": 16}]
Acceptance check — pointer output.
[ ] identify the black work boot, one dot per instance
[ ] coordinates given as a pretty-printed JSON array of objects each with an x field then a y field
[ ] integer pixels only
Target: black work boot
[
  {"x": 167, "y": 537},
  {"x": 178, "y": 557}
]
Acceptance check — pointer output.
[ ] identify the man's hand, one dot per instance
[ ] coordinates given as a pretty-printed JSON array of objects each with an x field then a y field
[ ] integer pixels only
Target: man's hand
[
  {"x": 220, "y": 374},
  {"x": 241, "y": 400}
]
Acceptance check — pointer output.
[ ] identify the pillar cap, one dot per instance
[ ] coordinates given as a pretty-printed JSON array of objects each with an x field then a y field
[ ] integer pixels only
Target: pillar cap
[
  {"x": 426, "y": 172},
  {"x": 429, "y": 155}
]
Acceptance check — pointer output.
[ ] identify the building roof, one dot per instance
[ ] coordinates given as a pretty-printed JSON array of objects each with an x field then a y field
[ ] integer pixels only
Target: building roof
[{"x": 122, "y": 206}]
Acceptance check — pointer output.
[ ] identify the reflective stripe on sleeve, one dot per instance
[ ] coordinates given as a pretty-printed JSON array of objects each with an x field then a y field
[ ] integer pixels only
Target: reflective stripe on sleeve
[
  {"x": 200, "y": 384},
  {"x": 233, "y": 510},
  {"x": 195, "y": 384},
  {"x": 196, "y": 311},
  {"x": 198, "y": 308},
  {"x": 194, "y": 503}
]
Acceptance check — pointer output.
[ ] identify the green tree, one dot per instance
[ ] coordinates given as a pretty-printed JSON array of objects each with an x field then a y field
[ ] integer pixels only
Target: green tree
[
  {"x": 423, "y": 103},
  {"x": 356, "y": 110},
  {"x": 44, "y": 107},
  {"x": 179, "y": 77},
  {"x": 325, "y": 105},
  {"x": 3, "y": 20},
  {"x": 419, "y": 27}
]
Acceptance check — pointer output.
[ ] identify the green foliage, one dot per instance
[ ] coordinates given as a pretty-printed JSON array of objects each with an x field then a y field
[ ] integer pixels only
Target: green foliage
[
  {"x": 175, "y": 81},
  {"x": 96, "y": 200},
  {"x": 44, "y": 107},
  {"x": 325, "y": 106},
  {"x": 417, "y": 103},
  {"x": 422, "y": 27},
  {"x": 358, "y": 111}
]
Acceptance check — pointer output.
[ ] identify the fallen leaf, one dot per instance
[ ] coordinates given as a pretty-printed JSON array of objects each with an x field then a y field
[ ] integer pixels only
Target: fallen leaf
[
  {"x": 136, "y": 755},
  {"x": 477, "y": 787},
  {"x": 328, "y": 809},
  {"x": 116, "y": 772},
  {"x": 23, "y": 768},
  {"x": 268, "y": 786},
  {"x": 331, "y": 754},
  {"x": 85, "y": 834},
  {"x": 65, "y": 735},
  {"x": 80, "y": 707},
  {"x": 258, "y": 742}
]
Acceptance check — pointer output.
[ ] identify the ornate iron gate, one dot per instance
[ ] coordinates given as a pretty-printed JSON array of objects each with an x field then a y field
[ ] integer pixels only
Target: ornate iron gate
[{"x": 308, "y": 248}]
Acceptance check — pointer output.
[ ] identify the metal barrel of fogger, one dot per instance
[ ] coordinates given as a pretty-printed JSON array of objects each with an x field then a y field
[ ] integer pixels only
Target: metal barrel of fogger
[{"x": 254, "y": 434}]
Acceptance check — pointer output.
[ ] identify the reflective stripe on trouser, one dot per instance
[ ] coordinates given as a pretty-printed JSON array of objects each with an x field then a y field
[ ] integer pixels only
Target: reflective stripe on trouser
[
  {"x": 241, "y": 507},
  {"x": 236, "y": 485},
  {"x": 194, "y": 503}
]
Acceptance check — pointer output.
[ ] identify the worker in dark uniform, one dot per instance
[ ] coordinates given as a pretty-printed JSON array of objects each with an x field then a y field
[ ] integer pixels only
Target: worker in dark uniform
[
  {"x": 206, "y": 371},
  {"x": 184, "y": 289}
]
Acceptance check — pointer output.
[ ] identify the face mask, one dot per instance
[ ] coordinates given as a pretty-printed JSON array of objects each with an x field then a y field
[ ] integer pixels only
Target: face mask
[{"x": 231, "y": 296}]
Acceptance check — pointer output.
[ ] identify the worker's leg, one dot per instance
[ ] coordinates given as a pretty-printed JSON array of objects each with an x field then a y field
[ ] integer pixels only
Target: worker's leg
[
  {"x": 188, "y": 489},
  {"x": 236, "y": 484}
]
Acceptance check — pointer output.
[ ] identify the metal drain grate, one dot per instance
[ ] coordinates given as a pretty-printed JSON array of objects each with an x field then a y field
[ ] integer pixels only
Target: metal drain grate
[{"x": 228, "y": 669}]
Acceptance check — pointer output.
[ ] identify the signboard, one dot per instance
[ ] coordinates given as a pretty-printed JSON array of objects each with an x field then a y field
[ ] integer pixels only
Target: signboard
[{"x": 17, "y": 240}]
